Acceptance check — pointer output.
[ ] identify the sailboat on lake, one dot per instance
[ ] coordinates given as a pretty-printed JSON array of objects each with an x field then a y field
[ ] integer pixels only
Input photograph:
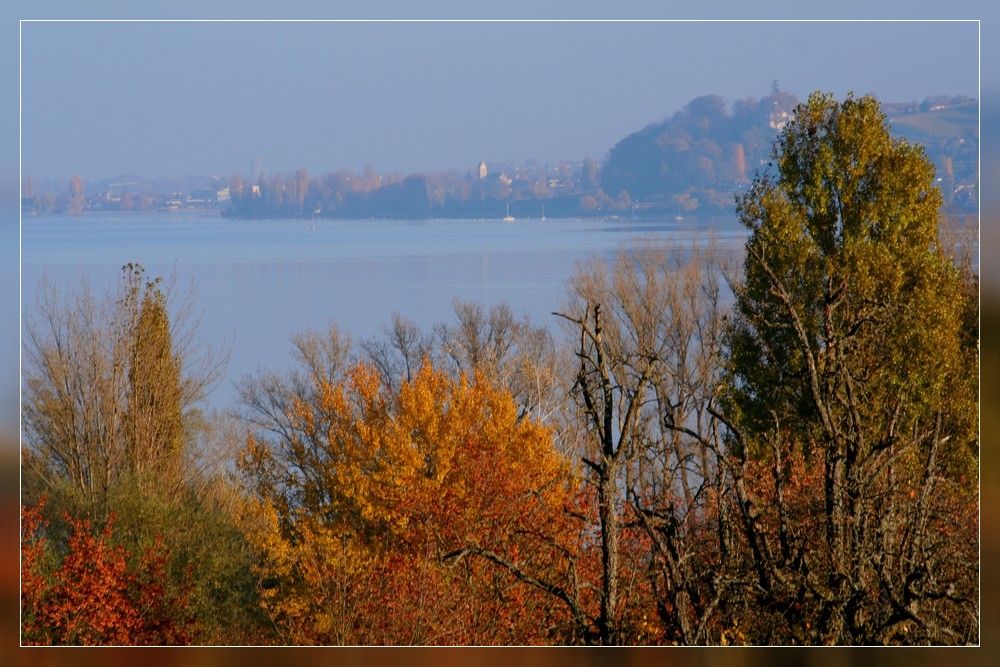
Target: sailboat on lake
[{"x": 508, "y": 217}]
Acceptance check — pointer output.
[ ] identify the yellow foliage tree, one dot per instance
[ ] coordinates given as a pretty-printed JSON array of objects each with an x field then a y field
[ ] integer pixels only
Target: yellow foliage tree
[{"x": 354, "y": 517}]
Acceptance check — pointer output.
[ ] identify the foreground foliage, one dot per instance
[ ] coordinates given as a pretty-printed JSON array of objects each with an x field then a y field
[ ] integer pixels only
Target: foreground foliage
[
  {"x": 96, "y": 593},
  {"x": 111, "y": 430},
  {"x": 364, "y": 516},
  {"x": 853, "y": 367}
]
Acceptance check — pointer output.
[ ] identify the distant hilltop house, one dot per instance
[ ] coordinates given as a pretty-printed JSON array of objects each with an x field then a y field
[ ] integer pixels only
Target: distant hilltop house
[
  {"x": 779, "y": 119},
  {"x": 482, "y": 171},
  {"x": 782, "y": 110}
]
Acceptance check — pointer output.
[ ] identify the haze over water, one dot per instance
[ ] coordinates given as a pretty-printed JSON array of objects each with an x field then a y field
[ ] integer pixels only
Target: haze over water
[{"x": 257, "y": 283}]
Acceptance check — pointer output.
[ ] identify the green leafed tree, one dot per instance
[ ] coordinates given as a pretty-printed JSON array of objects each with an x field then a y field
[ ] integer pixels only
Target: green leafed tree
[{"x": 847, "y": 347}]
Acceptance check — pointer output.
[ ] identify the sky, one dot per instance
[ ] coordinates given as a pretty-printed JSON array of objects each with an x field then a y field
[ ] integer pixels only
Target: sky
[{"x": 172, "y": 98}]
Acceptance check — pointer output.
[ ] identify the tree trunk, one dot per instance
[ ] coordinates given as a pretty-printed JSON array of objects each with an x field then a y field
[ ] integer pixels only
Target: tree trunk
[{"x": 607, "y": 491}]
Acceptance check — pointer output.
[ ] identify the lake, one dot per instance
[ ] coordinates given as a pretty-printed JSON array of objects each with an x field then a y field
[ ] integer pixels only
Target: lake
[{"x": 259, "y": 282}]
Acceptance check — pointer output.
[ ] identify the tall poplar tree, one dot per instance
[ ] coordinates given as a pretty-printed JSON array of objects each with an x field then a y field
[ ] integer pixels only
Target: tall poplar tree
[
  {"x": 847, "y": 348},
  {"x": 77, "y": 199},
  {"x": 154, "y": 416}
]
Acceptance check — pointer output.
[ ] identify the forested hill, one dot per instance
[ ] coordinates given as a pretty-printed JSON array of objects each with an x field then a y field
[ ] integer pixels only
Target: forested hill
[{"x": 698, "y": 157}]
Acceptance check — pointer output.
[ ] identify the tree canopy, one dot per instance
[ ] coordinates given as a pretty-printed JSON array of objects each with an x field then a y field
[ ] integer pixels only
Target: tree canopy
[
  {"x": 382, "y": 490},
  {"x": 848, "y": 348}
]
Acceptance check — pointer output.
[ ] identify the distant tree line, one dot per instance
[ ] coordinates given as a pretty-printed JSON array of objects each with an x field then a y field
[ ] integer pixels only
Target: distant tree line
[
  {"x": 125, "y": 192},
  {"x": 71, "y": 200},
  {"x": 695, "y": 160},
  {"x": 562, "y": 190}
]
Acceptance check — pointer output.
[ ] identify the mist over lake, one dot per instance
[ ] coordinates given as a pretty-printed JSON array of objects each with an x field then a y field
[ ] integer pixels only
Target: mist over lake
[{"x": 257, "y": 283}]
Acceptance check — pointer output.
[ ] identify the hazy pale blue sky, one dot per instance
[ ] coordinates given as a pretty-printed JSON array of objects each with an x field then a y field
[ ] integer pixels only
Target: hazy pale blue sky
[{"x": 173, "y": 98}]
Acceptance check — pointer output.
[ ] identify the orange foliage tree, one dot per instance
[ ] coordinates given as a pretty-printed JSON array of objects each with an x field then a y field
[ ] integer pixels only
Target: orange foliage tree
[
  {"x": 363, "y": 519},
  {"x": 96, "y": 596}
]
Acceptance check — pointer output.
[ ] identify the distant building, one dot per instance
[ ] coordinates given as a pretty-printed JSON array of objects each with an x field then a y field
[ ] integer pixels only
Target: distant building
[
  {"x": 483, "y": 172},
  {"x": 779, "y": 119}
]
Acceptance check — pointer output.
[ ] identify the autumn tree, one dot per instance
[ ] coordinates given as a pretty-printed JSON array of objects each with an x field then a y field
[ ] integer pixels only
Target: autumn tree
[
  {"x": 492, "y": 343},
  {"x": 590, "y": 177},
  {"x": 269, "y": 401},
  {"x": 105, "y": 386},
  {"x": 96, "y": 593},
  {"x": 647, "y": 343},
  {"x": 111, "y": 426},
  {"x": 154, "y": 404},
  {"x": 849, "y": 366},
  {"x": 400, "y": 351},
  {"x": 301, "y": 189},
  {"x": 77, "y": 199},
  {"x": 739, "y": 162},
  {"x": 236, "y": 187},
  {"x": 512, "y": 351},
  {"x": 365, "y": 514},
  {"x": 275, "y": 195}
]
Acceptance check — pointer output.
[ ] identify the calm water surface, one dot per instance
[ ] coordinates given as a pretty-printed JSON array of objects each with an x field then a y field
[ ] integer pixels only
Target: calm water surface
[{"x": 259, "y": 282}]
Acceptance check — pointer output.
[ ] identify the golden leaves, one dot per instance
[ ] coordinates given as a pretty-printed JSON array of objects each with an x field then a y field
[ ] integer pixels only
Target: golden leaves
[{"x": 377, "y": 484}]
